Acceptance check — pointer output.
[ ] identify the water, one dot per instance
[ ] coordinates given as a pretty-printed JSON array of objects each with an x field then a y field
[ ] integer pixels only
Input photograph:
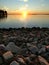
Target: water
[{"x": 18, "y": 21}]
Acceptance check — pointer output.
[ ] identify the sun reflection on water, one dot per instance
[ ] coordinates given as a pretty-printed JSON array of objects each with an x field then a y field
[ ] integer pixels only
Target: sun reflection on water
[{"x": 24, "y": 16}]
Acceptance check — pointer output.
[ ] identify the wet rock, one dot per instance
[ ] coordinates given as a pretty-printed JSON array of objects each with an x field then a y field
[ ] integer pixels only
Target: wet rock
[
  {"x": 7, "y": 55},
  {"x": 14, "y": 63},
  {"x": 13, "y": 48}
]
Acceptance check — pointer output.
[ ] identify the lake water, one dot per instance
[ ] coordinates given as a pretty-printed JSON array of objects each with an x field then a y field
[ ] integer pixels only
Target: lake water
[{"x": 18, "y": 21}]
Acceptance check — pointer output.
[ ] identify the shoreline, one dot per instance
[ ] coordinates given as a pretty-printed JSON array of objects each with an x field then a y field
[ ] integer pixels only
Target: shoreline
[{"x": 37, "y": 28}]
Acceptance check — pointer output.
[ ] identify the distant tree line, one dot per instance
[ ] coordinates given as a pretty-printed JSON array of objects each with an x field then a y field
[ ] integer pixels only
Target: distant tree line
[{"x": 3, "y": 13}]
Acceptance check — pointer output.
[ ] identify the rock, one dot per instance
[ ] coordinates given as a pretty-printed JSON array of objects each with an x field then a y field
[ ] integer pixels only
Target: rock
[
  {"x": 32, "y": 57},
  {"x": 39, "y": 46},
  {"x": 47, "y": 48},
  {"x": 21, "y": 61},
  {"x": 24, "y": 52},
  {"x": 42, "y": 50},
  {"x": 28, "y": 59},
  {"x": 29, "y": 45},
  {"x": 33, "y": 49},
  {"x": 7, "y": 55},
  {"x": 2, "y": 47},
  {"x": 35, "y": 39},
  {"x": 43, "y": 61},
  {"x": 30, "y": 39},
  {"x": 13, "y": 48},
  {"x": 14, "y": 63},
  {"x": 46, "y": 55},
  {"x": 1, "y": 60}
]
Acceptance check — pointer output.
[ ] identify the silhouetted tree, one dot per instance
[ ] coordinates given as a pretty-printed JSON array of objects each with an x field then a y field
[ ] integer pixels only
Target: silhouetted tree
[{"x": 3, "y": 13}]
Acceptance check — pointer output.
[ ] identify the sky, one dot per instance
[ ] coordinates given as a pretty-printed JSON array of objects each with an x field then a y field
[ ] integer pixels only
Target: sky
[{"x": 31, "y": 5}]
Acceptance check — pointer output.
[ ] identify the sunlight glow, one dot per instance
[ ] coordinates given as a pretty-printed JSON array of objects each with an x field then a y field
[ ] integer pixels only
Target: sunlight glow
[{"x": 24, "y": 14}]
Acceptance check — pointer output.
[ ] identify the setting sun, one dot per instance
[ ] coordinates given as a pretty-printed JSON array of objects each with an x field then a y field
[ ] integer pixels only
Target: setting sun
[{"x": 24, "y": 14}]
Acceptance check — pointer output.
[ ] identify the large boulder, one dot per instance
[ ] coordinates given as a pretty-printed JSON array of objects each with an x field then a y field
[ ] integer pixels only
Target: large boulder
[{"x": 13, "y": 48}]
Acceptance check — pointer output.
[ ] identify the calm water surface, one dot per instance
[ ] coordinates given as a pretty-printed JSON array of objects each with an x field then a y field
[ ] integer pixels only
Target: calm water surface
[{"x": 17, "y": 21}]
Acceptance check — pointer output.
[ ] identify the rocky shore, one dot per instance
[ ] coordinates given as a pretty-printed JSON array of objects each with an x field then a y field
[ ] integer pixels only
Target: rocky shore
[{"x": 24, "y": 46}]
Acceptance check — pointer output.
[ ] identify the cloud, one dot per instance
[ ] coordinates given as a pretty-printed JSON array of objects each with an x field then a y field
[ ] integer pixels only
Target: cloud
[
  {"x": 24, "y": 0},
  {"x": 25, "y": 7},
  {"x": 5, "y": 8}
]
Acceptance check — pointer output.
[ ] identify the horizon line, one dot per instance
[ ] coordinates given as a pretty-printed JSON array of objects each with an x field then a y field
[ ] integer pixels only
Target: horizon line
[{"x": 29, "y": 14}]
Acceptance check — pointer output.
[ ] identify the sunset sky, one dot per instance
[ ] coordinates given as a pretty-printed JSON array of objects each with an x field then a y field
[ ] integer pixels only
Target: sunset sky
[{"x": 30, "y": 5}]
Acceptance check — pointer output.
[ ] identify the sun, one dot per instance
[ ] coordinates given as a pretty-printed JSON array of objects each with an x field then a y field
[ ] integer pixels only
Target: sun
[{"x": 24, "y": 14}]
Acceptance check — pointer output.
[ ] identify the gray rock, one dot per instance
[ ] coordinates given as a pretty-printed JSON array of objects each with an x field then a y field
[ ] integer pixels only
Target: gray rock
[
  {"x": 14, "y": 63},
  {"x": 33, "y": 49},
  {"x": 29, "y": 45},
  {"x": 42, "y": 50},
  {"x": 13, "y": 48},
  {"x": 39, "y": 46}
]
